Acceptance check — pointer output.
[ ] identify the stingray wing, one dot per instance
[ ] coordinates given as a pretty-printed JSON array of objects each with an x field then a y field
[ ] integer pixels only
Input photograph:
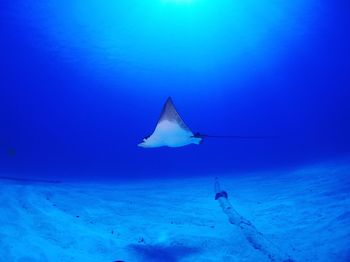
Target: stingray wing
[{"x": 170, "y": 114}]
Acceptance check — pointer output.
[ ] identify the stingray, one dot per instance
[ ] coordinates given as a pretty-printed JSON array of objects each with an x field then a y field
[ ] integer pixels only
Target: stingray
[{"x": 172, "y": 131}]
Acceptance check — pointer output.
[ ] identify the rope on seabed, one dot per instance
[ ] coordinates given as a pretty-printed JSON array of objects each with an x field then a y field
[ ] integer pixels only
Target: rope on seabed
[{"x": 256, "y": 239}]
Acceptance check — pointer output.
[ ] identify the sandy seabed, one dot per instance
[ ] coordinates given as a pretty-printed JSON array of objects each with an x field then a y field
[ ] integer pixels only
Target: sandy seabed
[{"x": 305, "y": 212}]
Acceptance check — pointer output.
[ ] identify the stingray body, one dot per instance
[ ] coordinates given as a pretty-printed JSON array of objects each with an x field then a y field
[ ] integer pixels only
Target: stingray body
[{"x": 171, "y": 130}]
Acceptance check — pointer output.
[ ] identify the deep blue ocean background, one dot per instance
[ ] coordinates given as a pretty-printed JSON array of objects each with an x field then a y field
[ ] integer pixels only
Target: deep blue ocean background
[{"x": 82, "y": 82}]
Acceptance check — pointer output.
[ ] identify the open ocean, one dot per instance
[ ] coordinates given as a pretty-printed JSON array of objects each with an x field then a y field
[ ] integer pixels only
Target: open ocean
[{"x": 265, "y": 84}]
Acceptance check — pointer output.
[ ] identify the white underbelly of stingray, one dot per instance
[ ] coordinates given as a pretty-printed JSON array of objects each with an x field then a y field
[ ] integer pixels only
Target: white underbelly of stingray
[{"x": 170, "y": 134}]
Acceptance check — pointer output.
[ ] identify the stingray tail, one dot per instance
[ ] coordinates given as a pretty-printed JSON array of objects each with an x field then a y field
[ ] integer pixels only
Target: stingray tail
[{"x": 199, "y": 135}]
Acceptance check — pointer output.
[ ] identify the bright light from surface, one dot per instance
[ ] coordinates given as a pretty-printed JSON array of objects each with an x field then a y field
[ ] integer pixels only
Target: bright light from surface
[
  {"x": 167, "y": 36},
  {"x": 179, "y": 1}
]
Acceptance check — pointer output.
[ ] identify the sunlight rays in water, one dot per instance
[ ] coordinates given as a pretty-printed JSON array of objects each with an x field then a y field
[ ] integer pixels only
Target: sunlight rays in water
[{"x": 161, "y": 37}]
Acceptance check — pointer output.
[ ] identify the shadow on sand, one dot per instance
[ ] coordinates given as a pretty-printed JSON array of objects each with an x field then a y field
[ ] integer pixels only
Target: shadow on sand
[{"x": 157, "y": 253}]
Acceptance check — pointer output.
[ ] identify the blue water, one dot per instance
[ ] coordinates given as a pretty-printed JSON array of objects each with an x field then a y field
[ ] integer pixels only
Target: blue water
[{"x": 82, "y": 82}]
